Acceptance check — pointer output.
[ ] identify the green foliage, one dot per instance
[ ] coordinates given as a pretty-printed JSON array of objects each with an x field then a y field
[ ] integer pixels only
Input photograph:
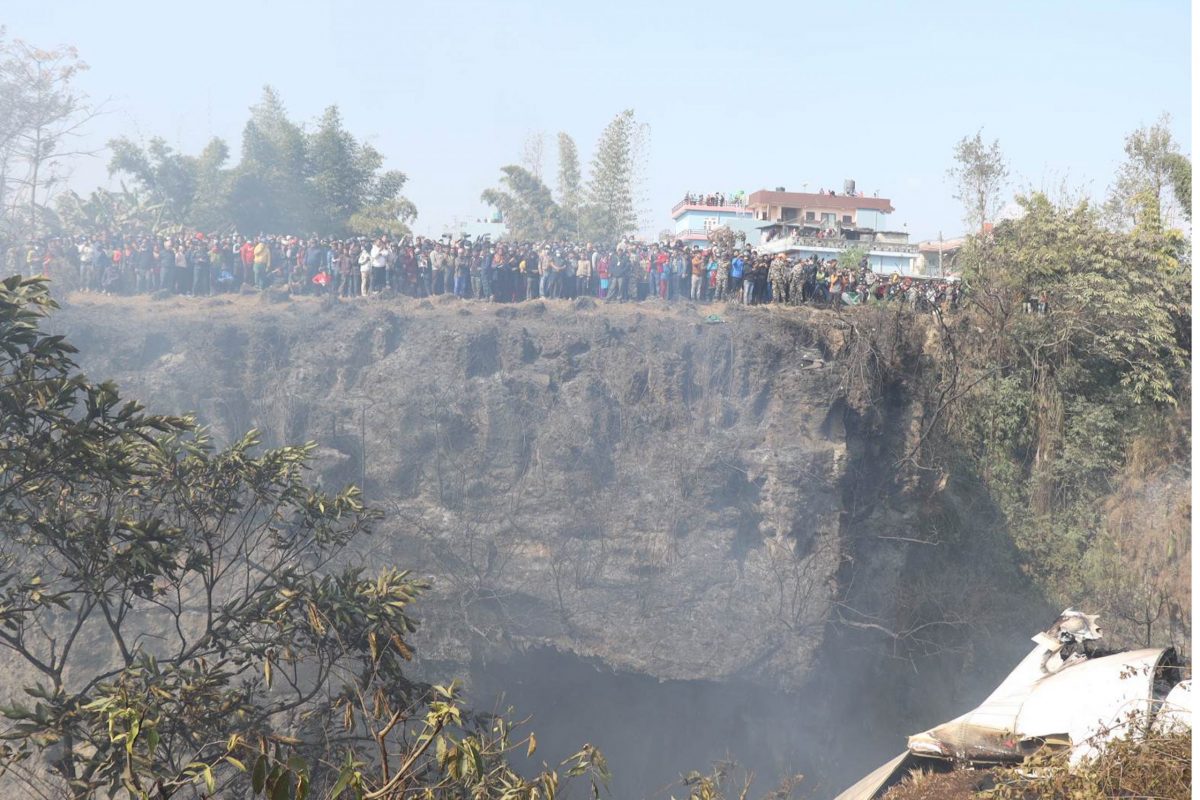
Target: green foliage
[
  {"x": 326, "y": 181},
  {"x": 525, "y": 202},
  {"x": 570, "y": 187},
  {"x": 608, "y": 213},
  {"x": 107, "y": 210},
  {"x": 980, "y": 172},
  {"x": 169, "y": 178},
  {"x": 851, "y": 257},
  {"x": 1154, "y": 167},
  {"x": 1055, "y": 399},
  {"x": 347, "y": 179},
  {"x": 387, "y": 216},
  {"x": 191, "y": 620}
]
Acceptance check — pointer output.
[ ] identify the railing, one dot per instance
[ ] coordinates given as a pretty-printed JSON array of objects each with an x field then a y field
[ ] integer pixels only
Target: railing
[
  {"x": 845, "y": 244},
  {"x": 735, "y": 208}
]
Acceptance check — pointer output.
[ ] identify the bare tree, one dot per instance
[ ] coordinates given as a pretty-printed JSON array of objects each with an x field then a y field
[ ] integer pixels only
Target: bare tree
[
  {"x": 533, "y": 153},
  {"x": 43, "y": 112}
]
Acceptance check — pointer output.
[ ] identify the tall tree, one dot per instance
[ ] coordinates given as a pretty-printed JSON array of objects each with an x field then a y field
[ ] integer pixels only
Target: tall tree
[
  {"x": 340, "y": 170},
  {"x": 43, "y": 113},
  {"x": 1153, "y": 166},
  {"x": 269, "y": 190},
  {"x": 570, "y": 190},
  {"x": 980, "y": 173},
  {"x": 348, "y": 184},
  {"x": 210, "y": 205},
  {"x": 609, "y": 213},
  {"x": 526, "y": 204}
]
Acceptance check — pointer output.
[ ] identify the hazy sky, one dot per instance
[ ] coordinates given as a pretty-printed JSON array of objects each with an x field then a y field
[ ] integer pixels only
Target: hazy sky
[{"x": 737, "y": 95}]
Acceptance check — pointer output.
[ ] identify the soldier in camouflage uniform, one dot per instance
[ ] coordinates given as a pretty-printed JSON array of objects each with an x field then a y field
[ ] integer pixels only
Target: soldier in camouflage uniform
[
  {"x": 723, "y": 263},
  {"x": 777, "y": 275},
  {"x": 795, "y": 281}
]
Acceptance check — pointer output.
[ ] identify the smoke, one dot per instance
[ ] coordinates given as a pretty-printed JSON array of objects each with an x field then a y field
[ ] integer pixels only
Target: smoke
[{"x": 653, "y": 732}]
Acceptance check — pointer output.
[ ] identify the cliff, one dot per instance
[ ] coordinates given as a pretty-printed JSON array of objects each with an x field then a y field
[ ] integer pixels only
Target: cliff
[{"x": 662, "y": 494}]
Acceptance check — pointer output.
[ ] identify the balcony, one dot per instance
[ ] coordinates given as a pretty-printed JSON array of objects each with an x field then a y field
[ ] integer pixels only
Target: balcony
[
  {"x": 838, "y": 244},
  {"x": 728, "y": 208}
]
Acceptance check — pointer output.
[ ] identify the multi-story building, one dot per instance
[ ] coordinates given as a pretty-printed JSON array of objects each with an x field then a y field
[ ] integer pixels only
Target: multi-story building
[
  {"x": 695, "y": 215},
  {"x": 826, "y": 224}
]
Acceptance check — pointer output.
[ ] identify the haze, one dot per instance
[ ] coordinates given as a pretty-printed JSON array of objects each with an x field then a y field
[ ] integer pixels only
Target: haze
[{"x": 737, "y": 97}]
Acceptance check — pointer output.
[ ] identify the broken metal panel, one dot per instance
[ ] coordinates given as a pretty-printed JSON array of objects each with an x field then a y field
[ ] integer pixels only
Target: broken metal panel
[
  {"x": 1175, "y": 712},
  {"x": 1093, "y": 702},
  {"x": 1064, "y": 694}
]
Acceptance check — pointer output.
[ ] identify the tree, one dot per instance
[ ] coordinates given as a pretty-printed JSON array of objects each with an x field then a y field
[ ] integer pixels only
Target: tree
[
  {"x": 570, "y": 190},
  {"x": 43, "y": 113},
  {"x": 210, "y": 210},
  {"x": 108, "y": 210},
  {"x": 608, "y": 213},
  {"x": 346, "y": 181},
  {"x": 166, "y": 176},
  {"x": 980, "y": 172},
  {"x": 1181, "y": 181},
  {"x": 533, "y": 153},
  {"x": 192, "y": 619},
  {"x": 1050, "y": 402},
  {"x": 269, "y": 189},
  {"x": 389, "y": 216},
  {"x": 1153, "y": 165},
  {"x": 525, "y": 202}
]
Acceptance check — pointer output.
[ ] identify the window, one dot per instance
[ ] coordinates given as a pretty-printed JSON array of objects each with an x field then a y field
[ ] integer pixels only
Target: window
[
  {"x": 847, "y": 219},
  {"x": 829, "y": 218},
  {"x": 810, "y": 216},
  {"x": 788, "y": 214},
  {"x": 711, "y": 222}
]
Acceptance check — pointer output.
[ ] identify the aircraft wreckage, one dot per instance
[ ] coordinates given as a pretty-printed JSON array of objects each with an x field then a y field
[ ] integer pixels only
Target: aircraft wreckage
[{"x": 1068, "y": 694}]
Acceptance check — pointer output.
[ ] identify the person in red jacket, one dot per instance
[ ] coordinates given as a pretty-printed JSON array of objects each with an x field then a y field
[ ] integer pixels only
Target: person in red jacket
[{"x": 247, "y": 271}]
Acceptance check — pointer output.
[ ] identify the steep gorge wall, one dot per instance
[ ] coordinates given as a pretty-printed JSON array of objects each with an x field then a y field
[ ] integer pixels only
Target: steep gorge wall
[{"x": 670, "y": 497}]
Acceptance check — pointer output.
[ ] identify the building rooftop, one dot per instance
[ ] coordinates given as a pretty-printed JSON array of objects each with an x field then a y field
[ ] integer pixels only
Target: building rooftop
[
  {"x": 946, "y": 245},
  {"x": 802, "y": 199}
]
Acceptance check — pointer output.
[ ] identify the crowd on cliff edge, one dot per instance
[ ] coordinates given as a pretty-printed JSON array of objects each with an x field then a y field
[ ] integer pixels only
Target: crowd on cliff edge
[{"x": 504, "y": 271}]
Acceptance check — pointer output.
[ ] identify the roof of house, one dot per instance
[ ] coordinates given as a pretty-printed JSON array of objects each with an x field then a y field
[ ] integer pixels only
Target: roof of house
[
  {"x": 945, "y": 245},
  {"x": 803, "y": 199}
]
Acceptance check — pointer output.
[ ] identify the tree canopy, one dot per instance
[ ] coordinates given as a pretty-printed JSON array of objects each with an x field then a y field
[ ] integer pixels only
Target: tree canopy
[
  {"x": 325, "y": 181},
  {"x": 602, "y": 211}
]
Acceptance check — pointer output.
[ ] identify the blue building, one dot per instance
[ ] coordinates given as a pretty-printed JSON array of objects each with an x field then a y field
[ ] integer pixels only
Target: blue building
[{"x": 694, "y": 216}]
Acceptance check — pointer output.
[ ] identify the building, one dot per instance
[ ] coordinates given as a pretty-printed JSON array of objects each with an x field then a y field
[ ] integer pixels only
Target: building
[
  {"x": 475, "y": 229},
  {"x": 694, "y": 216},
  {"x": 826, "y": 224},
  {"x": 937, "y": 257}
]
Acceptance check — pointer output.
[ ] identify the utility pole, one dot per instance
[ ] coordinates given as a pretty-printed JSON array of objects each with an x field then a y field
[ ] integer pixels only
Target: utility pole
[{"x": 941, "y": 264}]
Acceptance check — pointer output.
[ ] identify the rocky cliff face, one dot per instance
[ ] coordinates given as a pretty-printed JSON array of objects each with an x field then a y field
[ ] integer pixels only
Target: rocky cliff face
[{"x": 670, "y": 496}]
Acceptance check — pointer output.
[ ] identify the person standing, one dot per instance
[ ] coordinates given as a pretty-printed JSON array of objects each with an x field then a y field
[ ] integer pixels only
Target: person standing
[
  {"x": 262, "y": 263},
  {"x": 183, "y": 271},
  {"x": 378, "y": 263},
  {"x": 698, "y": 275},
  {"x": 364, "y": 270},
  {"x": 583, "y": 275},
  {"x": 533, "y": 274}
]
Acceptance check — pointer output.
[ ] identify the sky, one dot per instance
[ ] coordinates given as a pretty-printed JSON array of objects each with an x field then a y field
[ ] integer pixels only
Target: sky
[{"x": 735, "y": 96}]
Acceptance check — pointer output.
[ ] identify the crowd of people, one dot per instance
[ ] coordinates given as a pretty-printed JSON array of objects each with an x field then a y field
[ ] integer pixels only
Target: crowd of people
[
  {"x": 482, "y": 270},
  {"x": 737, "y": 200}
]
